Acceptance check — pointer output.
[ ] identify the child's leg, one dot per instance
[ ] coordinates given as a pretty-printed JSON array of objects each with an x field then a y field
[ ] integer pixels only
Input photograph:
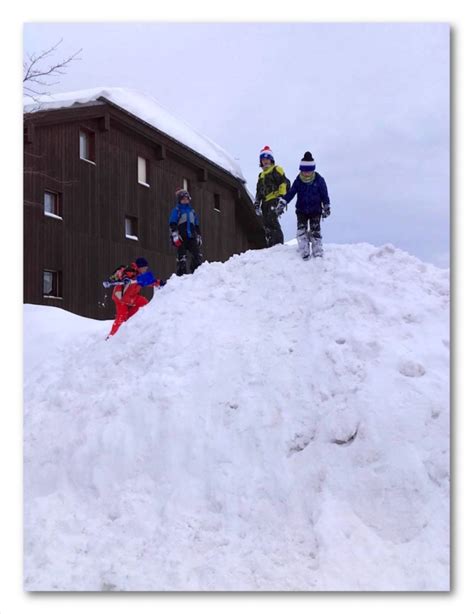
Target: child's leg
[
  {"x": 120, "y": 317},
  {"x": 196, "y": 256},
  {"x": 273, "y": 231},
  {"x": 315, "y": 235},
  {"x": 140, "y": 301},
  {"x": 302, "y": 234},
  {"x": 181, "y": 259}
]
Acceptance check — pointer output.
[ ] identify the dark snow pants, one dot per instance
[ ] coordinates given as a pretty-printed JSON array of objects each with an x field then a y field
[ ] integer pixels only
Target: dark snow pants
[
  {"x": 191, "y": 246},
  {"x": 309, "y": 236},
  {"x": 273, "y": 231}
]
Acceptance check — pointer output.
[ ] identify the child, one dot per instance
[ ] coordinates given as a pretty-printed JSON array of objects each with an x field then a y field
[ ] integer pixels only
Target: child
[
  {"x": 312, "y": 204},
  {"x": 127, "y": 297},
  {"x": 271, "y": 185},
  {"x": 185, "y": 233}
]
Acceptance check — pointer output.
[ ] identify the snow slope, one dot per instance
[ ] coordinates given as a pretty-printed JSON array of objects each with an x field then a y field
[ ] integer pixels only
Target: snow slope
[
  {"x": 147, "y": 109},
  {"x": 265, "y": 424}
]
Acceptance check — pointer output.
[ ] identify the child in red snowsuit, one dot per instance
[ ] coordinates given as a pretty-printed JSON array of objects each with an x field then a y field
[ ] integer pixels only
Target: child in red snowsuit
[{"x": 127, "y": 298}]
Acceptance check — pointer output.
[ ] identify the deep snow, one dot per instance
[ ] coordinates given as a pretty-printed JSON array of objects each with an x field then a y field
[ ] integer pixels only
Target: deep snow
[{"x": 265, "y": 424}]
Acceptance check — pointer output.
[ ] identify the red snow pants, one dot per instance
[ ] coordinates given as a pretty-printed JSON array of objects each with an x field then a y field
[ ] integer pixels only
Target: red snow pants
[{"x": 123, "y": 312}]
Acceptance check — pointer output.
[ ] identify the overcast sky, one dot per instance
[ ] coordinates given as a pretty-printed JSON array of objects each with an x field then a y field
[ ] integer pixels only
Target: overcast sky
[{"x": 370, "y": 101}]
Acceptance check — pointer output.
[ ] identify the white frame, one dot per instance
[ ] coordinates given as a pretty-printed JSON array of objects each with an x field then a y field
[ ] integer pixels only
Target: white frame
[
  {"x": 145, "y": 161},
  {"x": 57, "y": 198},
  {"x": 52, "y": 296},
  {"x": 88, "y": 136},
  {"x": 129, "y": 218}
]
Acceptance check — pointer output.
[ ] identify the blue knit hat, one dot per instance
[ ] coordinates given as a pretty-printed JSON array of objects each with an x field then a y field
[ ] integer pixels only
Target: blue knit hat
[
  {"x": 307, "y": 164},
  {"x": 141, "y": 262}
]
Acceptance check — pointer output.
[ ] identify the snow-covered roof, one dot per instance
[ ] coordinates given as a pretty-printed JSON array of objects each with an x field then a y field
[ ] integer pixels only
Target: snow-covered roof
[{"x": 147, "y": 109}]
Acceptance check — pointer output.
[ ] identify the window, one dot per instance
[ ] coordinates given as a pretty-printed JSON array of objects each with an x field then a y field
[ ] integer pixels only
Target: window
[
  {"x": 143, "y": 171},
  {"x": 52, "y": 284},
  {"x": 87, "y": 145},
  {"x": 131, "y": 228},
  {"x": 186, "y": 184},
  {"x": 217, "y": 203},
  {"x": 52, "y": 204},
  {"x": 28, "y": 133}
]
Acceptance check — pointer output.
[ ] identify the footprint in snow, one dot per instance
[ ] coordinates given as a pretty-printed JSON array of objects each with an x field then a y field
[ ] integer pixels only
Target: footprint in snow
[
  {"x": 409, "y": 368},
  {"x": 346, "y": 441},
  {"x": 300, "y": 441}
]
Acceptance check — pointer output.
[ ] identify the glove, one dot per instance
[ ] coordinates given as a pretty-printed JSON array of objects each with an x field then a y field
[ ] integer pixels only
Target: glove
[
  {"x": 106, "y": 284},
  {"x": 325, "y": 210},
  {"x": 177, "y": 240},
  {"x": 199, "y": 240},
  {"x": 281, "y": 206},
  {"x": 160, "y": 283},
  {"x": 258, "y": 208}
]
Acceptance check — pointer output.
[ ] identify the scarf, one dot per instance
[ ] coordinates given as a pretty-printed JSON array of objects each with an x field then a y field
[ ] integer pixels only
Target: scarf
[{"x": 308, "y": 179}]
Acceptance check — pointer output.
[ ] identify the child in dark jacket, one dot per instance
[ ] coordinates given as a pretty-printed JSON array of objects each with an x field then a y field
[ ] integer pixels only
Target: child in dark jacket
[
  {"x": 271, "y": 185},
  {"x": 185, "y": 233},
  {"x": 312, "y": 204}
]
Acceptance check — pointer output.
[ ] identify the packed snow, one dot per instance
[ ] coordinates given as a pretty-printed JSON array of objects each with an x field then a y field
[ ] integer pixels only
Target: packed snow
[
  {"x": 265, "y": 424},
  {"x": 146, "y": 108}
]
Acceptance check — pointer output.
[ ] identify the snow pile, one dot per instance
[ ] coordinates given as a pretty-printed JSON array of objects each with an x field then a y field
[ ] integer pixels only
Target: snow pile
[
  {"x": 147, "y": 109},
  {"x": 265, "y": 424}
]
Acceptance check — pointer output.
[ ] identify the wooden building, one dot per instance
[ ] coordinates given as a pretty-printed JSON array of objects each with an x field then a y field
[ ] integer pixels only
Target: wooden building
[{"x": 99, "y": 184}]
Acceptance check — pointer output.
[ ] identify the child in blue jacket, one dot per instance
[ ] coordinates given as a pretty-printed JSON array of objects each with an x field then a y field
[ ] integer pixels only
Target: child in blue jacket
[
  {"x": 185, "y": 233},
  {"x": 312, "y": 204}
]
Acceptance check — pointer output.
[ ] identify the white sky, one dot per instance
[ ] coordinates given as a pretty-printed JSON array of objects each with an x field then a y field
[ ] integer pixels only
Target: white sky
[{"x": 370, "y": 101}]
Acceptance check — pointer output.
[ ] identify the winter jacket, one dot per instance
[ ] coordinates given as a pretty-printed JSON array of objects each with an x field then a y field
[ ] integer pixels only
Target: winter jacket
[
  {"x": 310, "y": 195},
  {"x": 185, "y": 220},
  {"x": 126, "y": 294},
  {"x": 271, "y": 184},
  {"x": 148, "y": 279}
]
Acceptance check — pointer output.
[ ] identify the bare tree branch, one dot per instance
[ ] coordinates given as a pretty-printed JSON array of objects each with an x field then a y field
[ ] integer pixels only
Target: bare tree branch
[{"x": 35, "y": 73}]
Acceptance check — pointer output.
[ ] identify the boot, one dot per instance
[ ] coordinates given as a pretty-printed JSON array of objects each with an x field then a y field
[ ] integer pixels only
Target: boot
[
  {"x": 317, "y": 247},
  {"x": 303, "y": 243},
  {"x": 181, "y": 266}
]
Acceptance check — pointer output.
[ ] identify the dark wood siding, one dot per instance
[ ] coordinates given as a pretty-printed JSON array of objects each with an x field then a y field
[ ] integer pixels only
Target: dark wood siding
[{"x": 89, "y": 241}]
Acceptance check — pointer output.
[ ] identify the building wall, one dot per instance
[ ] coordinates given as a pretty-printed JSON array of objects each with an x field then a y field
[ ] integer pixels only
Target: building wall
[{"x": 89, "y": 242}]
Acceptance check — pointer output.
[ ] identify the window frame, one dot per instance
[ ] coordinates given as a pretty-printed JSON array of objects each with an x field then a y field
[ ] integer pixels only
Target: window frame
[
  {"x": 56, "y": 285},
  {"x": 134, "y": 226},
  {"x": 145, "y": 183},
  {"x": 58, "y": 213},
  {"x": 90, "y": 136}
]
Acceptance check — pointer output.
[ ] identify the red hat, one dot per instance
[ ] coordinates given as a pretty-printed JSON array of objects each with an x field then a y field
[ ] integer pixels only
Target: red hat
[{"x": 266, "y": 152}]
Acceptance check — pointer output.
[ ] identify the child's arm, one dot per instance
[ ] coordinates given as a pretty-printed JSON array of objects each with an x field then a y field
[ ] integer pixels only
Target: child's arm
[{"x": 293, "y": 191}]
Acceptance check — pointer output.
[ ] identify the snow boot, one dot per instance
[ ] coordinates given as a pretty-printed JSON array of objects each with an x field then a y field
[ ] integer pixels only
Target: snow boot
[
  {"x": 317, "y": 248},
  {"x": 303, "y": 243},
  {"x": 315, "y": 236},
  {"x": 181, "y": 262}
]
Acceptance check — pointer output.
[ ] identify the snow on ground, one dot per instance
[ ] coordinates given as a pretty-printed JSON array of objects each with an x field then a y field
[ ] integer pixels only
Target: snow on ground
[
  {"x": 50, "y": 332},
  {"x": 265, "y": 424},
  {"x": 147, "y": 109}
]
